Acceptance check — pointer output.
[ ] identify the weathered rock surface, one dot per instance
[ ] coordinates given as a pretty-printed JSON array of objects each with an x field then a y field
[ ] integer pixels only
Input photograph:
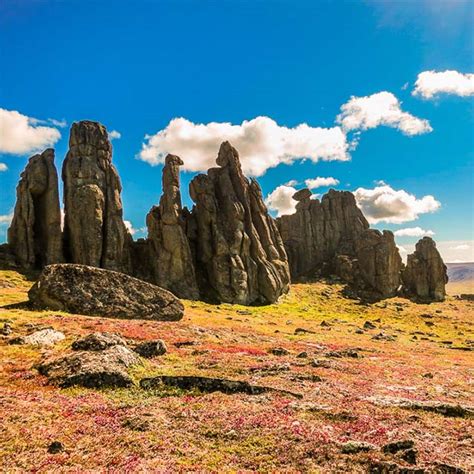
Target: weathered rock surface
[
  {"x": 97, "y": 292},
  {"x": 425, "y": 275},
  {"x": 332, "y": 236},
  {"x": 149, "y": 349},
  {"x": 94, "y": 230},
  {"x": 92, "y": 369},
  {"x": 44, "y": 337},
  {"x": 98, "y": 341},
  {"x": 34, "y": 235},
  {"x": 170, "y": 256},
  {"x": 239, "y": 255}
]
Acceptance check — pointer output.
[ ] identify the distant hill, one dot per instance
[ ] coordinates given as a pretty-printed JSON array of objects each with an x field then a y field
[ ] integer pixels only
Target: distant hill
[{"x": 461, "y": 277}]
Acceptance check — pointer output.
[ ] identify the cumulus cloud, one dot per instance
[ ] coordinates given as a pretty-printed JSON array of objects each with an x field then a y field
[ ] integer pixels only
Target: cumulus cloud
[
  {"x": 130, "y": 227},
  {"x": 21, "y": 135},
  {"x": 3, "y": 167},
  {"x": 402, "y": 249},
  {"x": 385, "y": 204},
  {"x": 413, "y": 232},
  {"x": 114, "y": 135},
  {"x": 460, "y": 247},
  {"x": 429, "y": 84},
  {"x": 320, "y": 182},
  {"x": 261, "y": 142},
  {"x": 281, "y": 200},
  {"x": 382, "y": 108}
]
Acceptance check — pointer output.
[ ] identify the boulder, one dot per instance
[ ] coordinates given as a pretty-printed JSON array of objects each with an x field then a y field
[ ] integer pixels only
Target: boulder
[
  {"x": 98, "y": 341},
  {"x": 239, "y": 255},
  {"x": 44, "y": 337},
  {"x": 97, "y": 292},
  {"x": 92, "y": 369},
  {"x": 151, "y": 349},
  {"x": 170, "y": 255},
  {"x": 34, "y": 235},
  {"x": 94, "y": 231},
  {"x": 425, "y": 275}
]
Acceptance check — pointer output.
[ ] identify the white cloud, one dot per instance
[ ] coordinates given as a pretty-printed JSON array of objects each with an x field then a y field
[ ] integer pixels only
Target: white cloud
[
  {"x": 58, "y": 123},
  {"x": 6, "y": 219},
  {"x": 19, "y": 134},
  {"x": 114, "y": 135},
  {"x": 320, "y": 182},
  {"x": 291, "y": 182},
  {"x": 431, "y": 83},
  {"x": 460, "y": 247},
  {"x": 402, "y": 249},
  {"x": 382, "y": 108},
  {"x": 3, "y": 167},
  {"x": 130, "y": 227},
  {"x": 280, "y": 200},
  {"x": 413, "y": 232},
  {"x": 261, "y": 142},
  {"x": 385, "y": 204}
]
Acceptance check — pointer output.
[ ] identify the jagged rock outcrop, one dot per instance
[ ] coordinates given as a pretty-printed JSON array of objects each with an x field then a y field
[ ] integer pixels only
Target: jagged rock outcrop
[
  {"x": 94, "y": 231},
  {"x": 94, "y": 291},
  {"x": 35, "y": 232},
  {"x": 170, "y": 255},
  {"x": 333, "y": 236},
  {"x": 238, "y": 252},
  {"x": 320, "y": 230},
  {"x": 425, "y": 275}
]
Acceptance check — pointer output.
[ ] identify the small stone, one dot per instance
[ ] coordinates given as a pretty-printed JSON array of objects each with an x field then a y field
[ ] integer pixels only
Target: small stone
[
  {"x": 325, "y": 324},
  {"x": 97, "y": 341},
  {"x": 7, "y": 329},
  {"x": 359, "y": 331},
  {"x": 302, "y": 355},
  {"x": 45, "y": 337},
  {"x": 279, "y": 351},
  {"x": 151, "y": 348},
  {"x": 369, "y": 325},
  {"x": 55, "y": 447},
  {"x": 396, "y": 446},
  {"x": 354, "y": 447}
]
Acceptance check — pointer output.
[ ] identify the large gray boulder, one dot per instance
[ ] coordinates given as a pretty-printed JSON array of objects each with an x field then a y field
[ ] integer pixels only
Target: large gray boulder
[
  {"x": 93, "y": 291},
  {"x": 170, "y": 255},
  {"x": 35, "y": 232},
  {"x": 95, "y": 233},
  {"x": 425, "y": 275},
  {"x": 239, "y": 255}
]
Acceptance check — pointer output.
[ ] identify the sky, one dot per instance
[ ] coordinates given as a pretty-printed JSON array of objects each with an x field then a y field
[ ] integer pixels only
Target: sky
[{"x": 371, "y": 96}]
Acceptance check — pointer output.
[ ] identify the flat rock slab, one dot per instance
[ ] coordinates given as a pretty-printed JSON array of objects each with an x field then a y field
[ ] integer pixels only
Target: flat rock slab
[
  {"x": 45, "y": 337},
  {"x": 209, "y": 384},
  {"x": 92, "y": 369},
  {"x": 94, "y": 291}
]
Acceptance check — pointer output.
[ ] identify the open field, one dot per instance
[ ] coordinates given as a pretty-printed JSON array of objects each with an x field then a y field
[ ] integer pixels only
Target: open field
[{"x": 171, "y": 430}]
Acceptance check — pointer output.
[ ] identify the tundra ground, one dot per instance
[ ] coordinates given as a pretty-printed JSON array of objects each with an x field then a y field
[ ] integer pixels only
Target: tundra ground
[{"x": 420, "y": 353}]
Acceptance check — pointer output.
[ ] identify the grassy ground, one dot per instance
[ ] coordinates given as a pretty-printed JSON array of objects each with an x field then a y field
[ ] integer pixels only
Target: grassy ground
[{"x": 175, "y": 431}]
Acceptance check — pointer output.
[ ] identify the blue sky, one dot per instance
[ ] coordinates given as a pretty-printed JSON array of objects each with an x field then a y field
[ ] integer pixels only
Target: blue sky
[{"x": 136, "y": 66}]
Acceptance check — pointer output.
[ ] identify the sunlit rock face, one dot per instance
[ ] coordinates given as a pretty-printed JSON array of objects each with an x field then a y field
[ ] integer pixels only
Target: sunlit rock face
[
  {"x": 238, "y": 252},
  {"x": 425, "y": 276},
  {"x": 35, "y": 232},
  {"x": 94, "y": 231}
]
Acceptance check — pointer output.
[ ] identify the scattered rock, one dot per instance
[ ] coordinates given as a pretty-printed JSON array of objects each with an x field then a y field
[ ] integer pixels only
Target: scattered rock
[
  {"x": 208, "y": 384},
  {"x": 184, "y": 343},
  {"x": 325, "y": 324},
  {"x": 409, "y": 456},
  {"x": 151, "y": 349},
  {"x": 279, "y": 351},
  {"x": 6, "y": 329},
  {"x": 354, "y": 447},
  {"x": 369, "y": 325},
  {"x": 381, "y": 336},
  {"x": 92, "y": 369},
  {"x": 325, "y": 364},
  {"x": 98, "y": 341},
  {"x": 396, "y": 446},
  {"x": 352, "y": 353},
  {"x": 302, "y": 355},
  {"x": 303, "y": 331},
  {"x": 45, "y": 337},
  {"x": 93, "y": 291},
  {"x": 55, "y": 447}
]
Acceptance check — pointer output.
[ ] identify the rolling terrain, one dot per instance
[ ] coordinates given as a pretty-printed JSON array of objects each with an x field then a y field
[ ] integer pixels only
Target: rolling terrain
[
  {"x": 461, "y": 278},
  {"x": 360, "y": 373}
]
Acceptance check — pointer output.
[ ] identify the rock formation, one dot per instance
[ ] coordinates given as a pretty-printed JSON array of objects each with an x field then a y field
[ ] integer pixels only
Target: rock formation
[
  {"x": 94, "y": 230},
  {"x": 425, "y": 275},
  {"x": 239, "y": 255},
  {"x": 170, "y": 255},
  {"x": 94, "y": 291},
  {"x": 333, "y": 236},
  {"x": 35, "y": 232}
]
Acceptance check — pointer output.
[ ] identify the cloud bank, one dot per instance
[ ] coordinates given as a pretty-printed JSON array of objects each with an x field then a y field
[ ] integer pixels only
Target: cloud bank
[
  {"x": 20, "y": 135},
  {"x": 320, "y": 182},
  {"x": 385, "y": 204},
  {"x": 383, "y": 108},
  {"x": 430, "y": 84},
  {"x": 413, "y": 232},
  {"x": 261, "y": 142}
]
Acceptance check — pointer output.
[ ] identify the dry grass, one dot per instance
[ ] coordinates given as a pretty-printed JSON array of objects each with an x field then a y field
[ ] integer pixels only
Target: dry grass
[{"x": 188, "y": 431}]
